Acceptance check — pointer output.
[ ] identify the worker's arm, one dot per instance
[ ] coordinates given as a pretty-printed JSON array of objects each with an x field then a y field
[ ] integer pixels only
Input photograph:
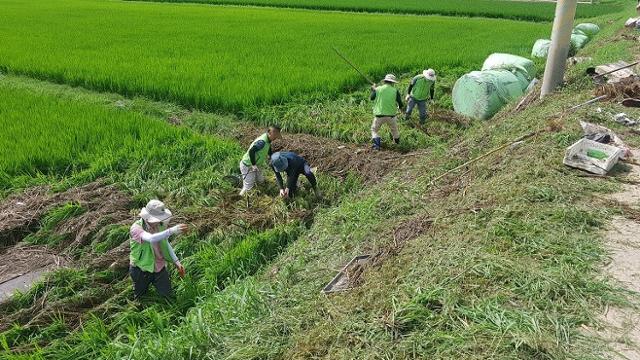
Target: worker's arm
[
  {"x": 373, "y": 93},
  {"x": 310, "y": 176},
  {"x": 411, "y": 85},
  {"x": 172, "y": 254},
  {"x": 254, "y": 149},
  {"x": 433, "y": 90},
  {"x": 139, "y": 234},
  {"x": 278, "y": 179},
  {"x": 159, "y": 236},
  {"x": 176, "y": 262},
  {"x": 399, "y": 100}
]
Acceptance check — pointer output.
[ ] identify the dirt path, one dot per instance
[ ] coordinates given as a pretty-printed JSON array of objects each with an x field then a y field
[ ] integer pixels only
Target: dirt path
[{"x": 622, "y": 325}]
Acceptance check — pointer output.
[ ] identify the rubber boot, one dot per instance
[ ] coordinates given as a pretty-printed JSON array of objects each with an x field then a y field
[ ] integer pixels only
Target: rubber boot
[{"x": 376, "y": 143}]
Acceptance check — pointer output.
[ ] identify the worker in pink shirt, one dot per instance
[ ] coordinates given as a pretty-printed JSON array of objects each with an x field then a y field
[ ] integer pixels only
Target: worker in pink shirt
[{"x": 150, "y": 250}]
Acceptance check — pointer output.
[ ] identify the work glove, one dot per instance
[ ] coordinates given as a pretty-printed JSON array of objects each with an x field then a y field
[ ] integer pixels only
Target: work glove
[
  {"x": 181, "y": 271},
  {"x": 254, "y": 168},
  {"x": 180, "y": 229},
  {"x": 284, "y": 193},
  {"x": 406, "y": 98}
]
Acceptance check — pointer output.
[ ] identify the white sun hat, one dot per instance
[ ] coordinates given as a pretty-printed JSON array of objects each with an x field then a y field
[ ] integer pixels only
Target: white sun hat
[
  {"x": 155, "y": 212},
  {"x": 390, "y": 78},
  {"x": 430, "y": 74}
]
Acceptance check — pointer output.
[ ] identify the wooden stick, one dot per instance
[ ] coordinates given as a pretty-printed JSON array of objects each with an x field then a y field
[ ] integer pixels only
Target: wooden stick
[
  {"x": 586, "y": 103},
  {"x": 521, "y": 138},
  {"x": 353, "y": 66},
  {"x": 618, "y": 69}
]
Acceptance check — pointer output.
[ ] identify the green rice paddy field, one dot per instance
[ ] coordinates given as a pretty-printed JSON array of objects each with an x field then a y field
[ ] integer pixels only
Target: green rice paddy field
[
  {"x": 226, "y": 58},
  {"x": 521, "y": 10}
]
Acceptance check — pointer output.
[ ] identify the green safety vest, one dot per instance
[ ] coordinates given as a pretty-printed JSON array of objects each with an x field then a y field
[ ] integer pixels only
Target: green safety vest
[
  {"x": 262, "y": 154},
  {"x": 422, "y": 88},
  {"x": 385, "y": 101},
  {"x": 141, "y": 254}
]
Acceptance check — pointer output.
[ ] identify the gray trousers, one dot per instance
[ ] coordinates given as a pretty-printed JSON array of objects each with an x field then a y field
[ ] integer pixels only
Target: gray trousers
[
  {"x": 422, "y": 109},
  {"x": 378, "y": 121},
  {"x": 142, "y": 280}
]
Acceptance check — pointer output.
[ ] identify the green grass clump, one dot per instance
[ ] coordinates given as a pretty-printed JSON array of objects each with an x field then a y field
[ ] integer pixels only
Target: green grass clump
[
  {"x": 246, "y": 256},
  {"x": 56, "y": 215},
  {"x": 46, "y": 234},
  {"x": 520, "y": 10},
  {"x": 233, "y": 57},
  {"x": 114, "y": 236}
]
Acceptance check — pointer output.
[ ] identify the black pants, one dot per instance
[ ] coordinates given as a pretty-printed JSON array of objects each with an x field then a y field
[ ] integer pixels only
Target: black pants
[
  {"x": 293, "y": 181},
  {"x": 142, "y": 279}
]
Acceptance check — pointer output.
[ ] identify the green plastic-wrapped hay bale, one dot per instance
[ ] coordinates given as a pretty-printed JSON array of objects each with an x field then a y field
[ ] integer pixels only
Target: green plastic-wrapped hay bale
[
  {"x": 510, "y": 62},
  {"x": 579, "y": 41},
  {"x": 481, "y": 94},
  {"x": 588, "y": 29},
  {"x": 541, "y": 48}
]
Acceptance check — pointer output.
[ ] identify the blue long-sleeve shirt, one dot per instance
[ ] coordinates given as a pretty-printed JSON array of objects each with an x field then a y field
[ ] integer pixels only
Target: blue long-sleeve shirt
[{"x": 295, "y": 168}]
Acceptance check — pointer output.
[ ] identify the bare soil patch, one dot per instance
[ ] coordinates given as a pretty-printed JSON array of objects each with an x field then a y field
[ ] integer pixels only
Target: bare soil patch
[
  {"x": 25, "y": 258},
  {"x": 621, "y": 326}
]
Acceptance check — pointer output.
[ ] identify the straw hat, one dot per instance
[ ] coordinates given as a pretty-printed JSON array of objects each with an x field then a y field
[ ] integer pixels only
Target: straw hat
[
  {"x": 279, "y": 162},
  {"x": 390, "y": 78},
  {"x": 155, "y": 212},
  {"x": 430, "y": 74}
]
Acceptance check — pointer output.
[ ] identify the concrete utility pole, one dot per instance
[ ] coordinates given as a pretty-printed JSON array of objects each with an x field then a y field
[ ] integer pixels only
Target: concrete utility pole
[{"x": 560, "y": 42}]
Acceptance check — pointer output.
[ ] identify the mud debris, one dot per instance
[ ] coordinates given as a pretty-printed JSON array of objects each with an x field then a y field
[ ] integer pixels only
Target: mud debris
[
  {"x": 625, "y": 88},
  {"x": 20, "y": 214}
]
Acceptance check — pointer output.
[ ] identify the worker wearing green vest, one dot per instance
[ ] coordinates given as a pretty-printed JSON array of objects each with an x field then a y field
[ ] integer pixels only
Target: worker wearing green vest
[
  {"x": 421, "y": 89},
  {"x": 387, "y": 101},
  {"x": 150, "y": 250},
  {"x": 258, "y": 154}
]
